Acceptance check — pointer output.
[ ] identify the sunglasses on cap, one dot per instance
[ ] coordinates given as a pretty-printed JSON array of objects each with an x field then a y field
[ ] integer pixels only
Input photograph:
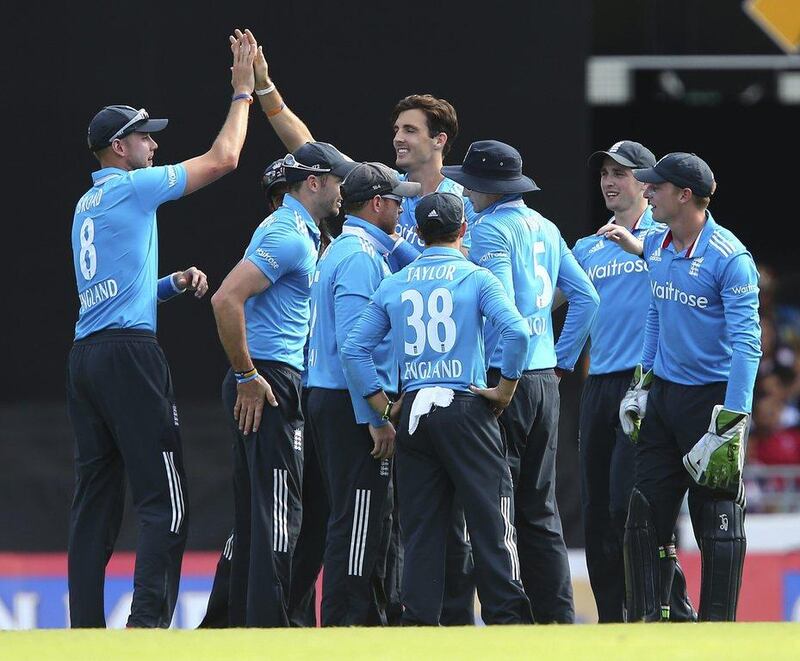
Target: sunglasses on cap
[
  {"x": 140, "y": 116},
  {"x": 289, "y": 161}
]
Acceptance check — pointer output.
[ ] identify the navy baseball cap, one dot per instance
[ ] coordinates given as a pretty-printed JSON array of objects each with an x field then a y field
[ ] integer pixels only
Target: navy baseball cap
[
  {"x": 681, "y": 169},
  {"x": 316, "y": 158},
  {"x": 491, "y": 166},
  {"x": 439, "y": 214},
  {"x": 114, "y": 122},
  {"x": 629, "y": 153},
  {"x": 367, "y": 180}
]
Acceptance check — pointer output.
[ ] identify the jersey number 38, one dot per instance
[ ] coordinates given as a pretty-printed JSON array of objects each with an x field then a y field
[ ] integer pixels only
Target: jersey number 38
[{"x": 440, "y": 331}]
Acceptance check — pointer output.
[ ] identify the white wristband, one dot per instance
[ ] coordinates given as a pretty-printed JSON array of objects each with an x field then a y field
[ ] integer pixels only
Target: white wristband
[{"x": 266, "y": 90}]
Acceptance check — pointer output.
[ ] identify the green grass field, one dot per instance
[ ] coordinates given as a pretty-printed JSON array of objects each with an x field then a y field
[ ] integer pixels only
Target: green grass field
[{"x": 751, "y": 641}]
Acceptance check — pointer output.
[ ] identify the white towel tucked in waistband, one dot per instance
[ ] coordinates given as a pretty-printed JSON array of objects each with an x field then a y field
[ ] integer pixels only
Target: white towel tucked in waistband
[{"x": 425, "y": 400}]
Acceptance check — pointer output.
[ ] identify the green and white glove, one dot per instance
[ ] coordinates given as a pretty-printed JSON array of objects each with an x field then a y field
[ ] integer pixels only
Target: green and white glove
[
  {"x": 718, "y": 458},
  {"x": 634, "y": 403}
]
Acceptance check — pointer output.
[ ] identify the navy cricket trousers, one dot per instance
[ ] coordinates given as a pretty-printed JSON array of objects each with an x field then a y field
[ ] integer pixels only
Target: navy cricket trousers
[
  {"x": 122, "y": 409},
  {"x": 267, "y": 480},
  {"x": 530, "y": 424},
  {"x": 457, "y": 452}
]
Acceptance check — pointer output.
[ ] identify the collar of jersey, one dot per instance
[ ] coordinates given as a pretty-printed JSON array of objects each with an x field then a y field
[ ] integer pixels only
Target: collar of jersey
[
  {"x": 294, "y": 204},
  {"x": 367, "y": 231},
  {"x": 102, "y": 176},
  {"x": 445, "y": 185},
  {"x": 439, "y": 251},
  {"x": 643, "y": 222},
  {"x": 700, "y": 243},
  {"x": 510, "y": 201}
]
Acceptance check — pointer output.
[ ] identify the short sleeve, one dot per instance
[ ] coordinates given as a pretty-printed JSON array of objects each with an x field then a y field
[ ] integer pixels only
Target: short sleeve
[
  {"x": 278, "y": 253},
  {"x": 159, "y": 184}
]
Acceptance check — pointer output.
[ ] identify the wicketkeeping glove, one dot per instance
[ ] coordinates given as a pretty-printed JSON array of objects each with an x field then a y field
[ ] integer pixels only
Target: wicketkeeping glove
[
  {"x": 634, "y": 403},
  {"x": 718, "y": 458}
]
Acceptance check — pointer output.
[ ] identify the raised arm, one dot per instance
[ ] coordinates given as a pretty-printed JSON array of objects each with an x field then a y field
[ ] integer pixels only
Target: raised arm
[
  {"x": 223, "y": 157},
  {"x": 290, "y": 129}
]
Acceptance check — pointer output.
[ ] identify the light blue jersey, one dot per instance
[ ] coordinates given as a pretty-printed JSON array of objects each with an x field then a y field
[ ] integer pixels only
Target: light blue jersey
[
  {"x": 407, "y": 222},
  {"x": 703, "y": 325},
  {"x": 348, "y": 273},
  {"x": 284, "y": 248},
  {"x": 623, "y": 284},
  {"x": 529, "y": 256},
  {"x": 115, "y": 246},
  {"x": 435, "y": 309}
]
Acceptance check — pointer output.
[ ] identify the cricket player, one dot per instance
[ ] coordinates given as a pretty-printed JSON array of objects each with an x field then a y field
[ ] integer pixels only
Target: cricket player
[
  {"x": 262, "y": 313},
  {"x": 693, "y": 399},
  {"x": 119, "y": 390},
  {"x": 529, "y": 256},
  {"x": 606, "y": 452},
  {"x": 448, "y": 442}
]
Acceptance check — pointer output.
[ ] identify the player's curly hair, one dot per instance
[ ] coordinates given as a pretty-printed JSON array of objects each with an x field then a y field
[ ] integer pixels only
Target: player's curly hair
[{"x": 440, "y": 113}]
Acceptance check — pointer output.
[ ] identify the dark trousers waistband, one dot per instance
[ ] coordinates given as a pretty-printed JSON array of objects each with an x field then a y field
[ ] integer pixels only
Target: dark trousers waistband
[
  {"x": 118, "y": 335},
  {"x": 614, "y": 375},
  {"x": 275, "y": 364}
]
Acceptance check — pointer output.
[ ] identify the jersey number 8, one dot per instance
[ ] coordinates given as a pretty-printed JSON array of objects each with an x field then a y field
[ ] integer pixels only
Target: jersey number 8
[
  {"x": 440, "y": 309},
  {"x": 88, "y": 255}
]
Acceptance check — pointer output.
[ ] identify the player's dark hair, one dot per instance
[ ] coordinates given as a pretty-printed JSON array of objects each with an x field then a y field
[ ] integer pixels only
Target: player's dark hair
[
  {"x": 437, "y": 239},
  {"x": 352, "y": 208},
  {"x": 440, "y": 114}
]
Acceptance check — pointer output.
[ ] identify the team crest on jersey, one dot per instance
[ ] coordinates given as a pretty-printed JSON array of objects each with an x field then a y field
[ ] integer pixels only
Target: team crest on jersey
[
  {"x": 694, "y": 268},
  {"x": 297, "y": 443},
  {"x": 597, "y": 246}
]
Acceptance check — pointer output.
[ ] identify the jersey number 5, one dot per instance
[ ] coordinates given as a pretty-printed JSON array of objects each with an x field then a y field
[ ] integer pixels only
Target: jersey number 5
[
  {"x": 546, "y": 296},
  {"x": 440, "y": 310}
]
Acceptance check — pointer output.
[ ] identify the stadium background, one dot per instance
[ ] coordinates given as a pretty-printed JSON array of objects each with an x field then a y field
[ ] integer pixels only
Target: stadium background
[{"x": 518, "y": 72}]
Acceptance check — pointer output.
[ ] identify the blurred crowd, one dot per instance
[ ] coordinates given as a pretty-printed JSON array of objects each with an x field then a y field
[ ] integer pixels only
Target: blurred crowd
[{"x": 772, "y": 472}]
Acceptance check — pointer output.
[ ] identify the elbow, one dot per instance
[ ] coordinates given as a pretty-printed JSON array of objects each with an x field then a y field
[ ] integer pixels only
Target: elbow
[
  {"x": 520, "y": 333},
  {"x": 229, "y": 162},
  {"x": 219, "y": 301},
  {"x": 347, "y": 352}
]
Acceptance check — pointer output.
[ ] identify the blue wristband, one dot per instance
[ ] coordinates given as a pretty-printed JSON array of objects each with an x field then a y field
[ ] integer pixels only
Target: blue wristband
[
  {"x": 242, "y": 95},
  {"x": 166, "y": 288}
]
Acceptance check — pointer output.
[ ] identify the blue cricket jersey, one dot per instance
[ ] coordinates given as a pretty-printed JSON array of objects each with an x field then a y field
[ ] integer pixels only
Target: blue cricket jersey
[
  {"x": 434, "y": 309},
  {"x": 703, "y": 325},
  {"x": 284, "y": 248},
  {"x": 529, "y": 256},
  {"x": 348, "y": 273},
  {"x": 623, "y": 284},
  {"x": 407, "y": 222},
  {"x": 115, "y": 246}
]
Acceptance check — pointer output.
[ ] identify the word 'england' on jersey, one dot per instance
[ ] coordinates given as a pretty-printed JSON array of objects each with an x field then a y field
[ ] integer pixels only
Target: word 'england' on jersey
[
  {"x": 703, "y": 325},
  {"x": 115, "y": 246},
  {"x": 435, "y": 310}
]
